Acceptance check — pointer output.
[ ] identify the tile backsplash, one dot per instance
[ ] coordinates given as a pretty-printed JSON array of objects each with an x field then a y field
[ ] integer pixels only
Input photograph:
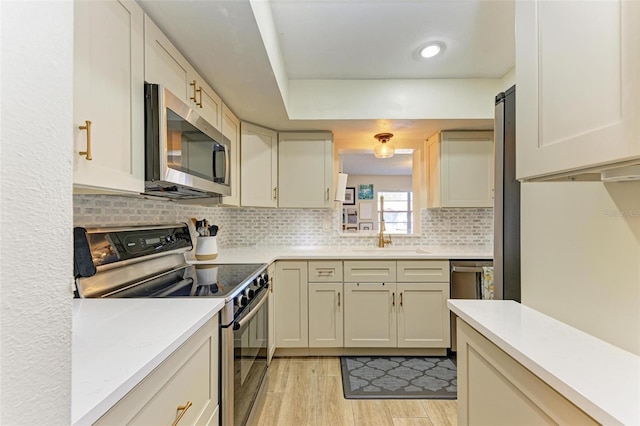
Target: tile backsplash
[{"x": 292, "y": 227}]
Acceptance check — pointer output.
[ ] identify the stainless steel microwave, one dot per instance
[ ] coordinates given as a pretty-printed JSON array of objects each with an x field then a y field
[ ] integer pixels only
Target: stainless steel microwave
[{"x": 185, "y": 156}]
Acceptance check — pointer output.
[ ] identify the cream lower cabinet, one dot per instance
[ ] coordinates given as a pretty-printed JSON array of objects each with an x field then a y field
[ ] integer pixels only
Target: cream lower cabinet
[
  {"x": 423, "y": 318},
  {"x": 326, "y": 312},
  {"x": 370, "y": 315},
  {"x": 271, "y": 339},
  {"x": 326, "y": 304},
  {"x": 291, "y": 316},
  {"x": 188, "y": 378},
  {"x": 108, "y": 99},
  {"x": 494, "y": 389}
]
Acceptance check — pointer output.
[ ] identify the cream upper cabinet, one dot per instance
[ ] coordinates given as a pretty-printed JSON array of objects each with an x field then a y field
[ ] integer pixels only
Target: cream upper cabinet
[
  {"x": 370, "y": 315},
  {"x": 165, "y": 65},
  {"x": 423, "y": 317},
  {"x": 460, "y": 169},
  {"x": 108, "y": 93},
  {"x": 231, "y": 130},
  {"x": 305, "y": 177},
  {"x": 577, "y": 85},
  {"x": 258, "y": 166},
  {"x": 291, "y": 315}
]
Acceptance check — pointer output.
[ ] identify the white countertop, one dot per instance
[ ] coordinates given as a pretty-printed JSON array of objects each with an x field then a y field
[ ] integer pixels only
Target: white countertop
[
  {"x": 118, "y": 342},
  {"x": 269, "y": 254},
  {"x": 599, "y": 378}
]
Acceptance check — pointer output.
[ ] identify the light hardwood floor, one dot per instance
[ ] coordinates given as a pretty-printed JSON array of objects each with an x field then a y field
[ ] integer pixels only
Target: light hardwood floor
[{"x": 307, "y": 391}]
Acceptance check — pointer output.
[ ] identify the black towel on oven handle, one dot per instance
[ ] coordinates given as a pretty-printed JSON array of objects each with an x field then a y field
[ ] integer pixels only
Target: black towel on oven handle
[{"x": 82, "y": 263}]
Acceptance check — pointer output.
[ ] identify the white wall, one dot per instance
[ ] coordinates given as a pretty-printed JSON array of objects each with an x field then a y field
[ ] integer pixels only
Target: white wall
[
  {"x": 581, "y": 256},
  {"x": 36, "y": 251}
]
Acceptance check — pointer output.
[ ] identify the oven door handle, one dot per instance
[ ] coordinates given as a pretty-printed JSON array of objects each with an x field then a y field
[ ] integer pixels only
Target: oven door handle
[{"x": 239, "y": 324}]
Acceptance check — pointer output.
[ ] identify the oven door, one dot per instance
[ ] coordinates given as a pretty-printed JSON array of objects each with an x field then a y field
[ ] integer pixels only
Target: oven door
[{"x": 244, "y": 361}]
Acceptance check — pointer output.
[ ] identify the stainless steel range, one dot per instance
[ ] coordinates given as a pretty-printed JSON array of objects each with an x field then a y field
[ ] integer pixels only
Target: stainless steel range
[{"x": 149, "y": 261}]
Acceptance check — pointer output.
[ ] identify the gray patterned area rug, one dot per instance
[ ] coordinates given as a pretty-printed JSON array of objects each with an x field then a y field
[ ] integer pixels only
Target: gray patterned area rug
[{"x": 393, "y": 377}]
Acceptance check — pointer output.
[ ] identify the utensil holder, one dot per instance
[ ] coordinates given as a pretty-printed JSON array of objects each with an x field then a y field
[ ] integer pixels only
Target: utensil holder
[{"x": 206, "y": 248}]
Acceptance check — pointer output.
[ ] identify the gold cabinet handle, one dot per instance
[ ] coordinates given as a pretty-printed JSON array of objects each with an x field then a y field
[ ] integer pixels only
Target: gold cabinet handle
[
  {"x": 338, "y": 298},
  {"x": 400, "y": 298},
  {"x": 393, "y": 299},
  {"x": 327, "y": 194},
  {"x": 199, "y": 91},
  {"x": 275, "y": 193},
  {"x": 195, "y": 91},
  {"x": 182, "y": 409},
  {"x": 87, "y": 127},
  {"x": 271, "y": 284}
]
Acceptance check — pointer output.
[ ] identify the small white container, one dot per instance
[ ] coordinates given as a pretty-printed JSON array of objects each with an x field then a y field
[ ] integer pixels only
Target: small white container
[{"x": 206, "y": 248}]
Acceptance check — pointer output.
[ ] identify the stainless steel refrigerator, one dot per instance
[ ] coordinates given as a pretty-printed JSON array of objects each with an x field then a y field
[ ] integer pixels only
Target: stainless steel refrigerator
[{"x": 506, "y": 227}]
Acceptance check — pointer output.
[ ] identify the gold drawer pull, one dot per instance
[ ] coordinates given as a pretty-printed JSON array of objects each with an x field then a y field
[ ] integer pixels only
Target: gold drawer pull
[
  {"x": 87, "y": 127},
  {"x": 182, "y": 409},
  {"x": 338, "y": 298},
  {"x": 195, "y": 91},
  {"x": 199, "y": 91}
]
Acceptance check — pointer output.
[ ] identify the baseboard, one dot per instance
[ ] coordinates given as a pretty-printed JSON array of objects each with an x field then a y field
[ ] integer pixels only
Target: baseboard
[{"x": 285, "y": 352}]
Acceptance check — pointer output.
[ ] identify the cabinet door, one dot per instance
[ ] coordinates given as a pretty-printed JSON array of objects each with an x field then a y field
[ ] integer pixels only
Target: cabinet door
[
  {"x": 370, "y": 315},
  {"x": 164, "y": 64},
  {"x": 258, "y": 166},
  {"x": 188, "y": 374},
  {"x": 423, "y": 317},
  {"x": 208, "y": 102},
  {"x": 305, "y": 163},
  {"x": 231, "y": 130},
  {"x": 576, "y": 109},
  {"x": 325, "y": 315},
  {"x": 271, "y": 271},
  {"x": 292, "y": 318},
  {"x": 108, "y": 91},
  {"x": 466, "y": 173},
  {"x": 495, "y": 389}
]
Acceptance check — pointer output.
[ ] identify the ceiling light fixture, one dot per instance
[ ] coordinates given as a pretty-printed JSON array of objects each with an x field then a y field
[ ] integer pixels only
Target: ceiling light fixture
[
  {"x": 431, "y": 50},
  {"x": 384, "y": 149}
]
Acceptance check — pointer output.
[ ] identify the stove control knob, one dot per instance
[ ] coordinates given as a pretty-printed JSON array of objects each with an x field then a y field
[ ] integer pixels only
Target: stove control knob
[
  {"x": 244, "y": 301},
  {"x": 170, "y": 238},
  {"x": 250, "y": 293},
  {"x": 265, "y": 278}
]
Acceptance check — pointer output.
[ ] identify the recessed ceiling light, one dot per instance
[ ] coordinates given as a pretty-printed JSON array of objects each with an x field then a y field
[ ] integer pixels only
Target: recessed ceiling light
[{"x": 431, "y": 50}]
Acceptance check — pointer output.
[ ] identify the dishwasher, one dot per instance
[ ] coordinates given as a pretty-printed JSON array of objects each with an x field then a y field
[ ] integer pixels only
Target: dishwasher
[{"x": 466, "y": 283}]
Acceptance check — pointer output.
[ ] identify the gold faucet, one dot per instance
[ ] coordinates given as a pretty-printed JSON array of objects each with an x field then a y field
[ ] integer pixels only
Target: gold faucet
[{"x": 381, "y": 240}]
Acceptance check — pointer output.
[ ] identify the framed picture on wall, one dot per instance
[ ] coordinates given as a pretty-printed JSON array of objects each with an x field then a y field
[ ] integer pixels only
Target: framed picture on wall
[
  {"x": 366, "y": 226},
  {"x": 350, "y": 196},
  {"x": 365, "y": 191}
]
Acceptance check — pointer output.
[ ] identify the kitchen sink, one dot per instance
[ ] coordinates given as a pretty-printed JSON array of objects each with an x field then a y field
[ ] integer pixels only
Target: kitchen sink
[{"x": 399, "y": 250}]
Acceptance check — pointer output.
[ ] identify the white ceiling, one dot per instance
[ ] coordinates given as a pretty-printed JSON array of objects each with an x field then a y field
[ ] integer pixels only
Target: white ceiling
[
  {"x": 339, "y": 39},
  {"x": 367, "y": 165}
]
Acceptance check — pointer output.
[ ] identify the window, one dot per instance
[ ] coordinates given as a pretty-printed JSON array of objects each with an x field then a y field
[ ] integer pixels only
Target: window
[{"x": 398, "y": 211}]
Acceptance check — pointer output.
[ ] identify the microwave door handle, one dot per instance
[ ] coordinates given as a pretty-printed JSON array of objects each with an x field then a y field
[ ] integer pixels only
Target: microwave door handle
[{"x": 227, "y": 163}]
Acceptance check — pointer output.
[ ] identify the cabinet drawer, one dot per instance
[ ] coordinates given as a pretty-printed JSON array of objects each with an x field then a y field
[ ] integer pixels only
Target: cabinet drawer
[
  {"x": 325, "y": 271},
  {"x": 189, "y": 374},
  {"x": 370, "y": 271},
  {"x": 423, "y": 271}
]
